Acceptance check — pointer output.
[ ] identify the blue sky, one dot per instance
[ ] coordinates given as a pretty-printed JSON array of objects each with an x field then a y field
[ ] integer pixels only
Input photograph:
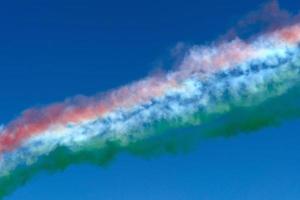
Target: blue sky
[{"x": 50, "y": 50}]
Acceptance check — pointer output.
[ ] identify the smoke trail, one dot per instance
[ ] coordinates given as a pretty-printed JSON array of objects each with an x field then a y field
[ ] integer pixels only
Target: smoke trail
[{"x": 234, "y": 86}]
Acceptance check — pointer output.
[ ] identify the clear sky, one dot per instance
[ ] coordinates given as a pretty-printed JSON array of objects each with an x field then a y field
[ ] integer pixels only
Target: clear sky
[{"x": 50, "y": 50}]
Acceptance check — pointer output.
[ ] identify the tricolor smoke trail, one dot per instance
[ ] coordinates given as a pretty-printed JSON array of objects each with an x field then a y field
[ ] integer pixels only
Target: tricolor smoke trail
[{"x": 220, "y": 89}]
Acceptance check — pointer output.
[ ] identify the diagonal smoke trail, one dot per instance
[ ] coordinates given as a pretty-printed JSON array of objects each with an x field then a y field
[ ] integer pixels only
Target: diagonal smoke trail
[{"x": 217, "y": 90}]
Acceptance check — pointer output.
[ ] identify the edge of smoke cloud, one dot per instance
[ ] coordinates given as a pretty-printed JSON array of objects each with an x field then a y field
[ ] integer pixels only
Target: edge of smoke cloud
[{"x": 267, "y": 18}]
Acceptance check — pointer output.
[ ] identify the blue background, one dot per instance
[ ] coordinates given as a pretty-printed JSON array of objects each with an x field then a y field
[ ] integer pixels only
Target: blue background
[{"x": 50, "y": 50}]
